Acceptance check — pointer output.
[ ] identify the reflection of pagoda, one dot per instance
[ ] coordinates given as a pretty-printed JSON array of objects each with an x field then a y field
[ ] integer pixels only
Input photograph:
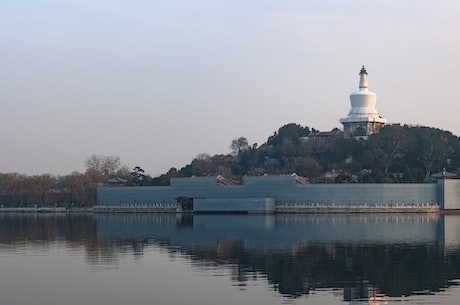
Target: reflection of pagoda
[
  {"x": 363, "y": 119},
  {"x": 364, "y": 294}
]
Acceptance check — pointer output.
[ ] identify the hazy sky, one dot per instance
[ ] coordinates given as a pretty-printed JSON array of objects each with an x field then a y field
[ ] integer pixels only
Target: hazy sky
[{"x": 159, "y": 82}]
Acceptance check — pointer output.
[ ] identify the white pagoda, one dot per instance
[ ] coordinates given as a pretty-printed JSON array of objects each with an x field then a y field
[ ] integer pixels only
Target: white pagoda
[{"x": 363, "y": 119}]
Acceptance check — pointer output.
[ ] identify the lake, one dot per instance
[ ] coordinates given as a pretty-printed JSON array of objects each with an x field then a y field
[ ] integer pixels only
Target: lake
[{"x": 229, "y": 259}]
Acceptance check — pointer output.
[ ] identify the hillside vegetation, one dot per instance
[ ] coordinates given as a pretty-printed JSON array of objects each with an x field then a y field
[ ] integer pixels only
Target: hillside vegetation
[{"x": 396, "y": 154}]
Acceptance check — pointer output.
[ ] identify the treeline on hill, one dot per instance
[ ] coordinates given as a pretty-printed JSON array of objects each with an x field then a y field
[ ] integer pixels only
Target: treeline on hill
[{"x": 396, "y": 154}]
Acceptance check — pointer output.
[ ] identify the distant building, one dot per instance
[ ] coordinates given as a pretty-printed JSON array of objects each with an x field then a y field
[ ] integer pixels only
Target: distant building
[
  {"x": 363, "y": 119},
  {"x": 322, "y": 135},
  {"x": 444, "y": 175},
  {"x": 117, "y": 182}
]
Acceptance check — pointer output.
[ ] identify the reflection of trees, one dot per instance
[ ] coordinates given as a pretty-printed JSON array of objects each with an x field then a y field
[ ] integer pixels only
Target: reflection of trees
[
  {"x": 78, "y": 231},
  {"x": 75, "y": 229},
  {"x": 392, "y": 269},
  {"x": 396, "y": 270}
]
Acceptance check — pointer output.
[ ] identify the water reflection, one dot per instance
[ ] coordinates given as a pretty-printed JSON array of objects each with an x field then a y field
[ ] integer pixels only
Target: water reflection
[{"x": 370, "y": 258}]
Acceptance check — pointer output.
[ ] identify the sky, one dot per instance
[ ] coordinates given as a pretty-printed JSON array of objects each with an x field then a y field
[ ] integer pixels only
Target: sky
[{"x": 157, "y": 83}]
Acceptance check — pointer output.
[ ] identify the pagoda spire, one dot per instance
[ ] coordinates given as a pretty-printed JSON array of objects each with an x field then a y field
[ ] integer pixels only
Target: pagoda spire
[{"x": 363, "y": 78}]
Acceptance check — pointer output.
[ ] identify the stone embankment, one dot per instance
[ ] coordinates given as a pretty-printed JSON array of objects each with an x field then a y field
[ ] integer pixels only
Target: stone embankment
[
  {"x": 309, "y": 209},
  {"x": 33, "y": 210},
  {"x": 135, "y": 209},
  {"x": 279, "y": 209},
  {"x": 45, "y": 210}
]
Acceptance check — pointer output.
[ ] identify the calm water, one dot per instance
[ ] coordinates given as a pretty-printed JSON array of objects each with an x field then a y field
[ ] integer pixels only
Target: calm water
[{"x": 229, "y": 259}]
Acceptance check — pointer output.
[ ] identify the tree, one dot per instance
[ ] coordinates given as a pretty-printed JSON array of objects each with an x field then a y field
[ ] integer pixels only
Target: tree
[
  {"x": 202, "y": 165},
  {"x": 138, "y": 175},
  {"x": 99, "y": 166},
  {"x": 290, "y": 131},
  {"x": 78, "y": 189},
  {"x": 434, "y": 149},
  {"x": 124, "y": 172},
  {"x": 39, "y": 187},
  {"x": 239, "y": 145},
  {"x": 388, "y": 146},
  {"x": 12, "y": 189}
]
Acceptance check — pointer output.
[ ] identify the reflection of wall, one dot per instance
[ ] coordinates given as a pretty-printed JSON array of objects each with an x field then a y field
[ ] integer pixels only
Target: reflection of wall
[
  {"x": 271, "y": 231},
  {"x": 451, "y": 232},
  {"x": 235, "y": 205}
]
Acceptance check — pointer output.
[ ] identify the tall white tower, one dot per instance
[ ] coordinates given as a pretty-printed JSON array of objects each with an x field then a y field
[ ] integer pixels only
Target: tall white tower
[{"x": 363, "y": 119}]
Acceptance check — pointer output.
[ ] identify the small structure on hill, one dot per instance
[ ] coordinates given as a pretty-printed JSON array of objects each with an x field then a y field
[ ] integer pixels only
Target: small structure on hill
[{"x": 445, "y": 175}]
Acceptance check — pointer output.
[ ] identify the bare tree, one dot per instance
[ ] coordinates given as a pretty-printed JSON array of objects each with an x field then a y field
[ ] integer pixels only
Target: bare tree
[{"x": 105, "y": 165}]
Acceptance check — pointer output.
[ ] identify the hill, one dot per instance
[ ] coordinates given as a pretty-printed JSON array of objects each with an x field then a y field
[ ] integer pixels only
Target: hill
[{"x": 398, "y": 153}]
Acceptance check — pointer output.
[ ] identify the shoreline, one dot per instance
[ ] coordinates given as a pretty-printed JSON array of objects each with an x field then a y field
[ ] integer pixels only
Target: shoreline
[
  {"x": 46, "y": 210},
  {"x": 278, "y": 210}
]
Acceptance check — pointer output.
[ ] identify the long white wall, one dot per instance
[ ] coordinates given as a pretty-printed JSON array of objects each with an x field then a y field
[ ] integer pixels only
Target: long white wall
[{"x": 285, "y": 191}]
